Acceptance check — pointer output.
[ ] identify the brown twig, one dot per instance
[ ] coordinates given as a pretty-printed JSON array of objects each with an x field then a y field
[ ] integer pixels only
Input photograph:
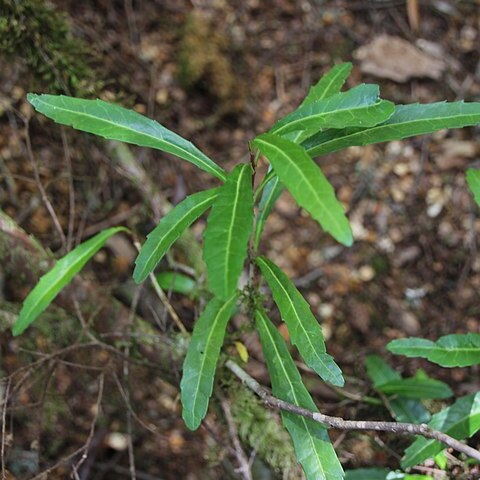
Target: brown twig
[
  {"x": 163, "y": 298},
  {"x": 43, "y": 193},
  {"x": 84, "y": 448},
  {"x": 341, "y": 424},
  {"x": 244, "y": 464},
  {"x": 4, "y": 429}
]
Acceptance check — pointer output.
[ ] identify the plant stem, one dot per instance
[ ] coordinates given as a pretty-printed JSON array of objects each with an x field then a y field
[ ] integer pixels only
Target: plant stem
[{"x": 337, "y": 422}]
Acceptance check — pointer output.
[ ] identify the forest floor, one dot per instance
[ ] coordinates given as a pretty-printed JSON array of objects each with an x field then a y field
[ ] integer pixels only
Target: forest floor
[{"x": 220, "y": 72}]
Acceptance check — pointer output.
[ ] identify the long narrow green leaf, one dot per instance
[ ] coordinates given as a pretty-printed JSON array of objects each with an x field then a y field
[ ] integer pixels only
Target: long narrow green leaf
[
  {"x": 162, "y": 237},
  {"x": 273, "y": 189},
  {"x": 228, "y": 229},
  {"x": 201, "y": 360},
  {"x": 305, "y": 331},
  {"x": 307, "y": 184},
  {"x": 448, "y": 351},
  {"x": 329, "y": 84},
  {"x": 417, "y": 388},
  {"x": 461, "y": 420},
  {"x": 403, "y": 409},
  {"x": 473, "y": 180},
  {"x": 358, "y": 107},
  {"x": 407, "y": 121},
  {"x": 50, "y": 285},
  {"x": 117, "y": 123},
  {"x": 312, "y": 445},
  {"x": 382, "y": 474}
]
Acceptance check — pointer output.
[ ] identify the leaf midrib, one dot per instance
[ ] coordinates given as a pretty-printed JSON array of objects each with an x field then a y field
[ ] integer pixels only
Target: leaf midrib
[
  {"x": 313, "y": 351},
  {"x": 292, "y": 389},
  {"x": 310, "y": 187},
  {"x": 387, "y": 126},
  {"x": 208, "y": 344},
  {"x": 430, "y": 442},
  {"x": 325, "y": 114},
  {"x": 161, "y": 242},
  {"x": 229, "y": 238},
  {"x": 58, "y": 280},
  {"x": 218, "y": 173}
]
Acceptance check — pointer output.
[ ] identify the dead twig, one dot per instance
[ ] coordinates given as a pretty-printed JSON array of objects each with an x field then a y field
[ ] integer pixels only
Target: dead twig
[
  {"x": 84, "y": 448},
  {"x": 244, "y": 463},
  {"x": 43, "y": 193},
  {"x": 337, "y": 422},
  {"x": 4, "y": 429},
  {"x": 163, "y": 298}
]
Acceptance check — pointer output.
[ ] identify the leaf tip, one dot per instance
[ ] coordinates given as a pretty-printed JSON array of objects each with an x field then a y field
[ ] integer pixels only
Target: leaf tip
[{"x": 32, "y": 98}]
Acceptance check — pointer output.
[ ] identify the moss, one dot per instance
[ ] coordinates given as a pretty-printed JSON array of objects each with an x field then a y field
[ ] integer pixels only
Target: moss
[
  {"x": 40, "y": 35},
  {"x": 259, "y": 429}
]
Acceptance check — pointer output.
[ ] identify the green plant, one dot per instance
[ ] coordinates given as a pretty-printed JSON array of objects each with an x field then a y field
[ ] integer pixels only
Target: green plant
[{"x": 326, "y": 121}]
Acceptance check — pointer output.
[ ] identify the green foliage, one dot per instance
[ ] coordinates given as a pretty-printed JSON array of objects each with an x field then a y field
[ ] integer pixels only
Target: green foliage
[
  {"x": 328, "y": 85},
  {"x": 448, "y": 351},
  {"x": 326, "y": 121},
  {"x": 312, "y": 445},
  {"x": 382, "y": 474},
  {"x": 177, "y": 282},
  {"x": 36, "y": 32},
  {"x": 358, "y": 107},
  {"x": 51, "y": 284},
  {"x": 403, "y": 409},
  {"x": 407, "y": 121},
  {"x": 118, "y": 123},
  {"x": 460, "y": 420},
  {"x": 162, "y": 237},
  {"x": 417, "y": 388},
  {"x": 305, "y": 332},
  {"x": 307, "y": 184},
  {"x": 201, "y": 359},
  {"x": 228, "y": 231},
  {"x": 473, "y": 180}
]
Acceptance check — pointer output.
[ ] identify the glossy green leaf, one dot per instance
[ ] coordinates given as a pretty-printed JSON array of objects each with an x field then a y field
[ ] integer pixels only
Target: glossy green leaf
[
  {"x": 50, "y": 285},
  {"x": 307, "y": 184},
  {"x": 313, "y": 448},
  {"x": 417, "y": 388},
  {"x": 305, "y": 331},
  {"x": 407, "y": 121},
  {"x": 358, "y": 107},
  {"x": 176, "y": 282},
  {"x": 403, "y": 409},
  {"x": 367, "y": 474},
  {"x": 382, "y": 474},
  {"x": 201, "y": 360},
  {"x": 461, "y": 420},
  {"x": 228, "y": 229},
  {"x": 473, "y": 180},
  {"x": 329, "y": 84},
  {"x": 449, "y": 351},
  {"x": 273, "y": 189},
  {"x": 171, "y": 226},
  {"x": 117, "y": 123}
]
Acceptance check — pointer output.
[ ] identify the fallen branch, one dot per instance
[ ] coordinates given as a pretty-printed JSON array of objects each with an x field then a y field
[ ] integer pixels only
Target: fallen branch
[{"x": 337, "y": 422}]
